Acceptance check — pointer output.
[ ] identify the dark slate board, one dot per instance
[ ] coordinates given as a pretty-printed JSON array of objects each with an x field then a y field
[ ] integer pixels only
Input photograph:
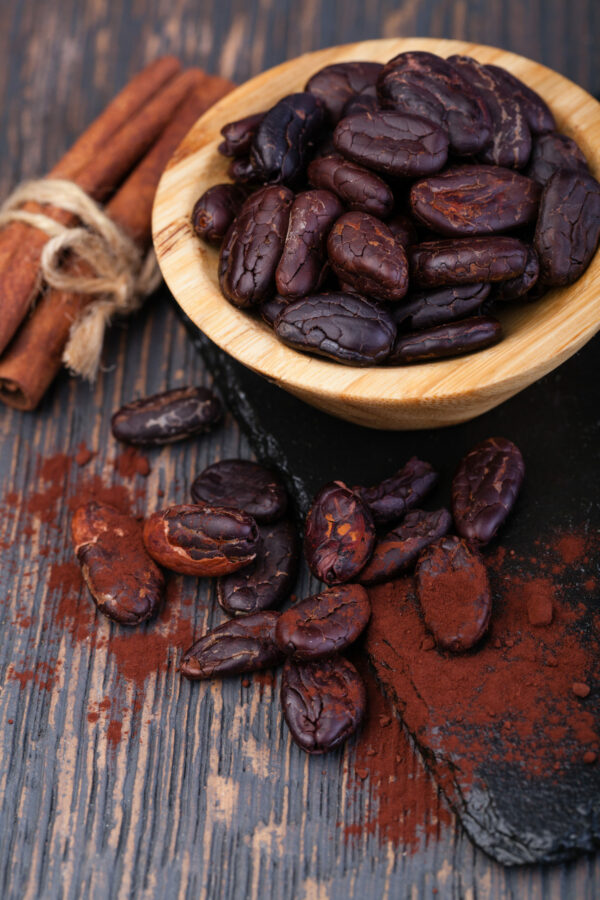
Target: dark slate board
[{"x": 555, "y": 423}]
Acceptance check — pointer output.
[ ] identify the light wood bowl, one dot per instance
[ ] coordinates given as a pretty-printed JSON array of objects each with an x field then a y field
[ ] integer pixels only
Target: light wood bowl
[{"x": 538, "y": 337}]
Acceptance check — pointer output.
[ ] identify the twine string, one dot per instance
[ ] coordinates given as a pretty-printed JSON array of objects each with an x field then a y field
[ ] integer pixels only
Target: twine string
[{"x": 115, "y": 274}]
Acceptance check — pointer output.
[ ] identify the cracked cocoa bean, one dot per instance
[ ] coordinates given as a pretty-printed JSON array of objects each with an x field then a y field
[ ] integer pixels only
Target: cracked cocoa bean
[
  {"x": 397, "y": 551},
  {"x": 467, "y": 261},
  {"x": 551, "y": 152},
  {"x": 365, "y": 101},
  {"x": 454, "y": 593},
  {"x": 124, "y": 581},
  {"x": 236, "y": 646},
  {"x": 242, "y": 171},
  {"x": 403, "y": 229},
  {"x": 267, "y": 581},
  {"x": 515, "y": 288},
  {"x": 435, "y": 82},
  {"x": 364, "y": 253},
  {"x": 335, "y": 85},
  {"x": 475, "y": 200},
  {"x": 510, "y": 143},
  {"x": 536, "y": 111},
  {"x": 300, "y": 268},
  {"x": 238, "y": 135},
  {"x": 357, "y": 188},
  {"x": 323, "y": 702},
  {"x": 201, "y": 540},
  {"x": 167, "y": 417},
  {"x": 442, "y": 341},
  {"x": 405, "y": 94},
  {"x": 392, "y": 498},
  {"x": 341, "y": 326},
  {"x": 339, "y": 535},
  {"x": 447, "y": 304},
  {"x": 324, "y": 624},
  {"x": 270, "y": 309},
  {"x": 568, "y": 226},
  {"x": 244, "y": 485},
  {"x": 253, "y": 246},
  {"x": 393, "y": 143},
  {"x": 215, "y": 210},
  {"x": 282, "y": 141},
  {"x": 485, "y": 488}
]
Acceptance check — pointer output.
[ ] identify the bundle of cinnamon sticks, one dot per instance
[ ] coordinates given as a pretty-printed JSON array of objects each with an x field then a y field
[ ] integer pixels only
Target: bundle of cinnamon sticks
[{"x": 118, "y": 160}]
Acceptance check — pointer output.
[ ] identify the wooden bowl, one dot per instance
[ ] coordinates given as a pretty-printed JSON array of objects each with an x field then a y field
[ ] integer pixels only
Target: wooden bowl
[{"x": 538, "y": 337}]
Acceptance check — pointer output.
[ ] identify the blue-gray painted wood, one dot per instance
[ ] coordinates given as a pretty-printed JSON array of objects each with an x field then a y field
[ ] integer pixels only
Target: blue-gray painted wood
[{"x": 205, "y": 796}]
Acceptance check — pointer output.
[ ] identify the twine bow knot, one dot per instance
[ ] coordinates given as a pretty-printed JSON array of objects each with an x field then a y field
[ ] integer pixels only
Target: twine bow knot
[{"x": 103, "y": 262}]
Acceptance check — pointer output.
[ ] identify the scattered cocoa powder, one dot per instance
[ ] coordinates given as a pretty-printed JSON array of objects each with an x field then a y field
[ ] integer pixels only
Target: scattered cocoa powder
[
  {"x": 84, "y": 455},
  {"x": 132, "y": 462},
  {"x": 571, "y": 548},
  {"x": 403, "y": 805}
]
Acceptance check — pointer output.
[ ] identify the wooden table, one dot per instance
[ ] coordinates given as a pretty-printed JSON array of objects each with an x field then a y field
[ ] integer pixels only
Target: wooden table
[{"x": 117, "y": 779}]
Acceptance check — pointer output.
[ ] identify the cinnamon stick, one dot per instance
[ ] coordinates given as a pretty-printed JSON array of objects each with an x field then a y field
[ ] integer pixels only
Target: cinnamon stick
[
  {"x": 35, "y": 356},
  {"x": 118, "y": 112},
  {"x": 100, "y": 177}
]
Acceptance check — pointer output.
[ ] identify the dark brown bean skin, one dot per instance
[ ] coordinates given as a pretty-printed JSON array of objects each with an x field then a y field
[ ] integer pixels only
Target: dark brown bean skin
[
  {"x": 236, "y": 646},
  {"x": 475, "y": 200},
  {"x": 402, "y": 93},
  {"x": 365, "y": 101},
  {"x": 467, "y": 117},
  {"x": 394, "y": 496},
  {"x": 437, "y": 307},
  {"x": 245, "y": 485},
  {"x": 167, "y": 417},
  {"x": 323, "y": 702},
  {"x": 485, "y": 488},
  {"x": 282, "y": 141},
  {"x": 403, "y": 229},
  {"x": 201, "y": 540},
  {"x": 568, "y": 226},
  {"x": 466, "y": 261},
  {"x": 392, "y": 143},
  {"x": 397, "y": 551},
  {"x": 511, "y": 136},
  {"x": 215, "y": 210},
  {"x": 364, "y": 253},
  {"x": 515, "y": 288},
  {"x": 270, "y": 309},
  {"x": 239, "y": 135},
  {"x": 242, "y": 171},
  {"x": 442, "y": 341},
  {"x": 324, "y": 624},
  {"x": 341, "y": 326},
  {"x": 335, "y": 85},
  {"x": 453, "y": 560},
  {"x": 124, "y": 581},
  {"x": 267, "y": 581},
  {"x": 357, "y": 188},
  {"x": 537, "y": 112},
  {"x": 304, "y": 254},
  {"x": 551, "y": 152},
  {"x": 253, "y": 246},
  {"x": 339, "y": 535}
]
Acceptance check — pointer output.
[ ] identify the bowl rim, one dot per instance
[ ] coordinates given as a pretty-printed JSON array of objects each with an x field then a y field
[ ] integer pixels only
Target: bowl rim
[{"x": 540, "y": 343}]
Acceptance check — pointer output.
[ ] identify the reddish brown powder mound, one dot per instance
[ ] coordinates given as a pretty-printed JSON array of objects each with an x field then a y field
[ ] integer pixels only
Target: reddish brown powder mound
[
  {"x": 131, "y": 462},
  {"x": 571, "y": 548},
  {"x": 84, "y": 455},
  {"x": 404, "y": 804},
  {"x": 511, "y": 700}
]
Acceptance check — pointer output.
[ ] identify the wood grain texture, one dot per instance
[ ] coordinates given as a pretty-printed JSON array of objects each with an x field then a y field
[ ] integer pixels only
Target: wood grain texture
[
  {"x": 537, "y": 337},
  {"x": 204, "y": 796}
]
